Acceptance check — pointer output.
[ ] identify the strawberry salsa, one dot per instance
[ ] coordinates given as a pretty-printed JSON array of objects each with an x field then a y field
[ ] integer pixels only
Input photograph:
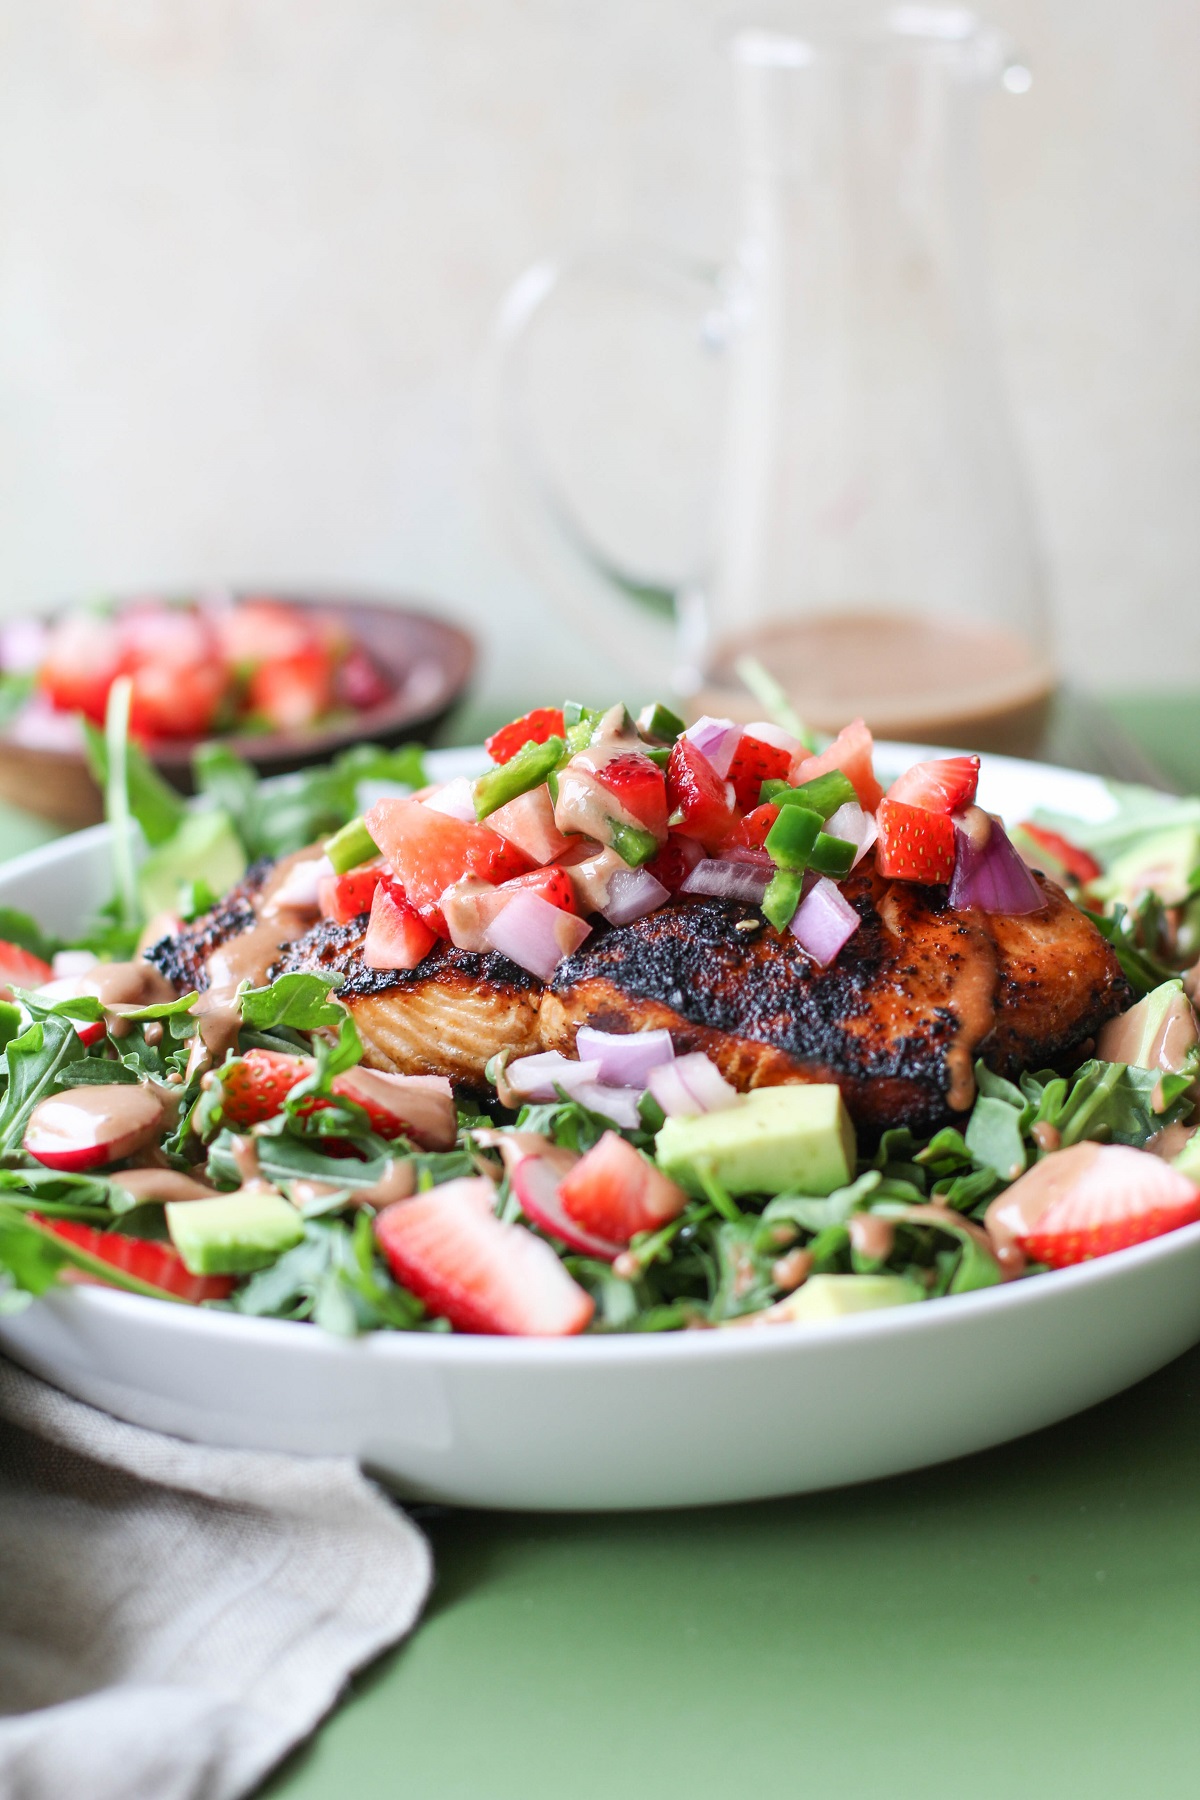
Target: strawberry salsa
[{"x": 232, "y": 1150}]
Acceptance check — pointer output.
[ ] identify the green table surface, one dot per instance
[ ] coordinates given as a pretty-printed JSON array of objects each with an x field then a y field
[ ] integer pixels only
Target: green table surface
[{"x": 1021, "y": 1624}]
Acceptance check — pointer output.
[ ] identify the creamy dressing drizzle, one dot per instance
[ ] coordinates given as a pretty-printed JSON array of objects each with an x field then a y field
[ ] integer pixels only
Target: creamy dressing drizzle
[
  {"x": 975, "y": 1010},
  {"x": 163, "y": 1184}
]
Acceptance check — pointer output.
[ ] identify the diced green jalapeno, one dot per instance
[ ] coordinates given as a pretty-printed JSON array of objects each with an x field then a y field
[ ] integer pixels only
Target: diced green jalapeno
[
  {"x": 527, "y": 769},
  {"x": 631, "y": 844},
  {"x": 832, "y": 856},
  {"x": 823, "y": 794},
  {"x": 792, "y": 837},
  {"x": 352, "y": 845},
  {"x": 659, "y": 722},
  {"x": 580, "y": 722},
  {"x": 659, "y": 754},
  {"x": 782, "y": 898}
]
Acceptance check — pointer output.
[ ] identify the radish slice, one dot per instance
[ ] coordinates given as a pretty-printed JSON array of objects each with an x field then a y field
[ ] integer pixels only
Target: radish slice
[
  {"x": 535, "y": 935},
  {"x": 717, "y": 739},
  {"x": 625, "y": 1058},
  {"x": 85, "y": 1127},
  {"x": 727, "y": 880},
  {"x": 535, "y": 1183},
  {"x": 691, "y": 1085},
  {"x": 538, "y": 1077},
  {"x": 456, "y": 800},
  {"x": 824, "y": 921},
  {"x": 632, "y": 893}
]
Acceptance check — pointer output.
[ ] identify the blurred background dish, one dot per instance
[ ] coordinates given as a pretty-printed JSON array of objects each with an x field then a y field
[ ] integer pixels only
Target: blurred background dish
[{"x": 283, "y": 679}]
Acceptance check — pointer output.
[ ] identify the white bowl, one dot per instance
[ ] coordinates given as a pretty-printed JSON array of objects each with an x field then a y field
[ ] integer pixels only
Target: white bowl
[{"x": 677, "y": 1420}]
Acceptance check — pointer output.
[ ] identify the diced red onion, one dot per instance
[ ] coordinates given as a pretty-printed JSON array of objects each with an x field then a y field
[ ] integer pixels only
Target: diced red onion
[
  {"x": 993, "y": 878},
  {"x": 717, "y": 739},
  {"x": 768, "y": 733},
  {"x": 615, "y": 1103},
  {"x": 535, "y": 935},
  {"x": 72, "y": 962},
  {"x": 299, "y": 886},
  {"x": 456, "y": 800},
  {"x": 749, "y": 855},
  {"x": 823, "y": 921},
  {"x": 632, "y": 893},
  {"x": 856, "y": 826},
  {"x": 23, "y": 645},
  {"x": 728, "y": 880},
  {"x": 537, "y": 1077},
  {"x": 625, "y": 1057},
  {"x": 689, "y": 1086}
]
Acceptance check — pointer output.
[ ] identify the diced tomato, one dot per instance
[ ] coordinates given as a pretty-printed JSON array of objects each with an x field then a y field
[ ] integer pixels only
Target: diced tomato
[
  {"x": 698, "y": 795},
  {"x": 1075, "y": 861},
  {"x": 752, "y": 830},
  {"x": 536, "y": 727},
  {"x": 553, "y": 884},
  {"x": 345, "y": 897},
  {"x": 851, "y": 751},
  {"x": 359, "y": 682},
  {"x": 753, "y": 763},
  {"x": 944, "y": 785},
  {"x": 914, "y": 845},
  {"x": 159, "y": 1264},
  {"x": 429, "y": 851},
  {"x": 257, "y": 1084},
  {"x": 675, "y": 861},
  {"x": 21, "y": 968},
  {"x": 397, "y": 936},
  {"x": 448, "y": 1247},
  {"x": 640, "y": 788},
  {"x": 254, "y": 632},
  {"x": 292, "y": 691},
  {"x": 167, "y": 701},
  {"x": 83, "y": 659},
  {"x": 614, "y": 1192}
]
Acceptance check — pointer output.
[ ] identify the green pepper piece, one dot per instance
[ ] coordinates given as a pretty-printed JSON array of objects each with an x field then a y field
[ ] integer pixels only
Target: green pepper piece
[
  {"x": 659, "y": 722},
  {"x": 832, "y": 856},
  {"x": 823, "y": 794},
  {"x": 527, "y": 769},
  {"x": 580, "y": 723},
  {"x": 792, "y": 837},
  {"x": 631, "y": 844},
  {"x": 350, "y": 846},
  {"x": 782, "y": 898}
]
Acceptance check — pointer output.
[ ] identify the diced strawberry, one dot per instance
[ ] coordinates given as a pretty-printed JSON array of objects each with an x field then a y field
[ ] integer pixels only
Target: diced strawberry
[
  {"x": 253, "y": 632},
  {"x": 420, "y": 1107},
  {"x": 21, "y": 968},
  {"x": 535, "y": 727},
  {"x": 448, "y": 1247},
  {"x": 171, "y": 702},
  {"x": 344, "y": 897},
  {"x": 293, "y": 691},
  {"x": 753, "y": 763},
  {"x": 943, "y": 785},
  {"x": 553, "y": 884},
  {"x": 429, "y": 851},
  {"x": 751, "y": 831},
  {"x": 614, "y": 1192},
  {"x": 698, "y": 795},
  {"x": 397, "y": 936},
  {"x": 257, "y": 1084},
  {"x": 1090, "y": 1200},
  {"x": 359, "y": 682},
  {"x": 159, "y": 1264},
  {"x": 914, "y": 845},
  {"x": 158, "y": 636},
  {"x": 83, "y": 659},
  {"x": 675, "y": 861},
  {"x": 640, "y": 788},
  {"x": 1075, "y": 861},
  {"x": 851, "y": 751},
  {"x": 528, "y": 822}
]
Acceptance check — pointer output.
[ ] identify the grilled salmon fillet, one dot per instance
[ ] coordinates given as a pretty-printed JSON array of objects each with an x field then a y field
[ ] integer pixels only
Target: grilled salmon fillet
[{"x": 916, "y": 995}]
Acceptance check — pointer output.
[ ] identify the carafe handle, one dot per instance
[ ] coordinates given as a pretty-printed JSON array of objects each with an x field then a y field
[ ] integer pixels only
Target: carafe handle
[{"x": 654, "y": 627}]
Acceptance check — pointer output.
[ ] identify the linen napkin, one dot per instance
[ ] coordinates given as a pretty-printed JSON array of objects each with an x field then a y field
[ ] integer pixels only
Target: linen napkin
[{"x": 174, "y": 1619}]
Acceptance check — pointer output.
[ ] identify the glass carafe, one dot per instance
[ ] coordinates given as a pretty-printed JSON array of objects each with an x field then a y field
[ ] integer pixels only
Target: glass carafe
[{"x": 865, "y": 533}]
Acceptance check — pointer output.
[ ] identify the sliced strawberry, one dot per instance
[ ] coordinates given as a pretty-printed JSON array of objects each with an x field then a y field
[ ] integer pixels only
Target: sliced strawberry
[
  {"x": 420, "y": 1107},
  {"x": 292, "y": 691},
  {"x": 253, "y": 632},
  {"x": 1091, "y": 1199},
  {"x": 753, "y": 763},
  {"x": 698, "y": 795},
  {"x": 159, "y": 1264},
  {"x": 167, "y": 701},
  {"x": 751, "y": 832},
  {"x": 535, "y": 727},
  {"x": 535, "y": 1181},
  {"x": 614, "y": 1192},
  {"x": 675, "y": 861},
  {"x": 257, "y": 1084},
  {"x": 640, "y": 789},
  {"x": 851, "y": 751},
  {"x": 1076, "y": 862},
  {"x": 528, "y": 822},
  {"x": 397, "y": 936},
  {"x": 448, "y": 1247},
  {"x": 942, "y": 786},
  {"x": 83, "y": 659},
  {"x": 429, "y": 851},
  {"x": 21, "y": 968},
  {"x": 553, "y": 884},
  {"x": 914, "y": 845},
  {"x": 345, "y": 897}
]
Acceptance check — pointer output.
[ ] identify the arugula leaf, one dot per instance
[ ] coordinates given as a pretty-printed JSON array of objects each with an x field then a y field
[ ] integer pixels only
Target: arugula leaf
[
  {"x": 299, "y": 1000},
  {"x": 337, "y": 1278},
  {"x": 18, "y": 928},
  {"x": 297, "y": 809},
  {"x": 158, "y": 808}
]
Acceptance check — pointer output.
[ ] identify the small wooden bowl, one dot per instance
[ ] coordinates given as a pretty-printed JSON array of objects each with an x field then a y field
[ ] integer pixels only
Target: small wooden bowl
[{"x": 428, "y": 661}]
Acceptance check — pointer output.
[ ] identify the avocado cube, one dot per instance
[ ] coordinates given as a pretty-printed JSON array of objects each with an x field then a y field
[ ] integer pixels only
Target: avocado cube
[
  {"x": 836, "y": 1296},
  {"x": 233, "y": 1233},
  {"x": 796, "y": 1139}
]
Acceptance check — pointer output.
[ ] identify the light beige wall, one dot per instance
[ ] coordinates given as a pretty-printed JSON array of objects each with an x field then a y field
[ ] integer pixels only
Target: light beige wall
[{"x": 249, "y": 250}]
